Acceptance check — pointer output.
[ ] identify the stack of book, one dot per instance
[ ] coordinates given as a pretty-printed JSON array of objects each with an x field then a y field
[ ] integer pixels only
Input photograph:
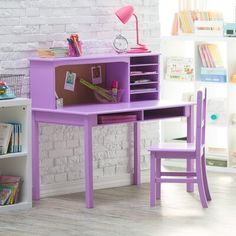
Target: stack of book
[
  {"x": 10, "y": 138},
  {"x": 9, "y": 189},
  {"x": 213, "y": 69},
  {"x": 45, "y": 52},
  {"x": 60, "y": 51},
  {"x": 53, "y": 52}
]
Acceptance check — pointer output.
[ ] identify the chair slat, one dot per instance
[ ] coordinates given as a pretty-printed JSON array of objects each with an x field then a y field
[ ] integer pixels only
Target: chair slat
[
  {"x": 189, "y": 174},
  {"x": 176, "y": 180}
]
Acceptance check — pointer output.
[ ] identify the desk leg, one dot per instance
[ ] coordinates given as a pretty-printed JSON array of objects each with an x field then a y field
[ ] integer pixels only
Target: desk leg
[
  {"x": 190, "y": 139},
  {"x": 35, "y": 160},
  {"x": 137, "y": 170},
  {"x": 88, "y": 164}
]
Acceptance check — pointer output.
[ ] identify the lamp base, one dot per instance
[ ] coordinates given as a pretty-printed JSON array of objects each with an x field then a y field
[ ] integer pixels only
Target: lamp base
[{"x": 138, "y": 49}]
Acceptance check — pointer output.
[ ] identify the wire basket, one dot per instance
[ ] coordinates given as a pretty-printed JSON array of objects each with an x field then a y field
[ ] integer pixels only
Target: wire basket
[{"x": 14, "y": 82}]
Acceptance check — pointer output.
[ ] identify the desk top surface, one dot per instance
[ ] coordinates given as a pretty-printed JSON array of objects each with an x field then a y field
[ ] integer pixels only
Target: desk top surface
[
  {"x": 97, "y": 109},
  {"x": 93, "y": 56}
]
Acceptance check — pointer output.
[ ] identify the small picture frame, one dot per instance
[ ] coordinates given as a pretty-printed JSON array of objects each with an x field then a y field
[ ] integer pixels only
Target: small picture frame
[
  {"x": 70, "y": 81},
  {"x": 96, "y": 74}
]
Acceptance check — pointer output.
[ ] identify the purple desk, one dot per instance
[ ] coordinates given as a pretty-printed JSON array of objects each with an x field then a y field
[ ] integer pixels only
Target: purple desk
[{"x": 87, "y": 116}]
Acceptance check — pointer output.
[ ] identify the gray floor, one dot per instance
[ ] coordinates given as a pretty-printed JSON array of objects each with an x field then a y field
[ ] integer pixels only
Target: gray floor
[{"x": 125, "y": 211}]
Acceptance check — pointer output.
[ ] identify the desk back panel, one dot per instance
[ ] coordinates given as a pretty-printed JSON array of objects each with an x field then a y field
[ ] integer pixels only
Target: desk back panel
[{"x": 81, "y": 93}]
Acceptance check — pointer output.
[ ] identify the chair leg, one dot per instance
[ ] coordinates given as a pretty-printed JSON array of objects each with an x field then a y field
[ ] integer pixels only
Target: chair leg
[
  {"x": 153, "y": 180},
  {"x": 200, "y": 183},
  {"x": 190, "y": 168},
  {"x": 204, "y": 174},
  {"x": 158, "y": 175}
]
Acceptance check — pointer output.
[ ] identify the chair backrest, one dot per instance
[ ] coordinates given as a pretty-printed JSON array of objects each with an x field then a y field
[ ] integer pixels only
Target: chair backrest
[{"x": 201, "y": 121}]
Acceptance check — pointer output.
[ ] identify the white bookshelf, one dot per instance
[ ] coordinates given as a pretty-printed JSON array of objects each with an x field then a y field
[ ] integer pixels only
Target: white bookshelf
[
  {"x": 18, "y": 164},
  {"x": 220, "y": 134}
]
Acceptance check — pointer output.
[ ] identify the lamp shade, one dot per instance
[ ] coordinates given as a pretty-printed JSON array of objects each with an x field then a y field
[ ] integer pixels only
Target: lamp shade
[{"x": 125, "y": 13}]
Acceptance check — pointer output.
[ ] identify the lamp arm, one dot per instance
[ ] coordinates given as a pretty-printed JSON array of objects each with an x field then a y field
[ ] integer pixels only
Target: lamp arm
[{"x": 137, "y": 32}]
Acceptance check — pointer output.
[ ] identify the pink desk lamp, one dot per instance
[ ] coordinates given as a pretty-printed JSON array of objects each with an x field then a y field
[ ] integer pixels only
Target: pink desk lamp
[{"x": 124, "y": 15}]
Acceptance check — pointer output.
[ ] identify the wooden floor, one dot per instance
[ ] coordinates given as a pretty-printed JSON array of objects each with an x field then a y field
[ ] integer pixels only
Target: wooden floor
[{"x": 125, "y": 211}]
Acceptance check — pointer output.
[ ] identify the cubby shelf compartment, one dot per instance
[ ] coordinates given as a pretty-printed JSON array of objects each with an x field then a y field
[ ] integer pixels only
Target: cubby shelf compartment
[
  {"x": 19, "y": 163},
  {"x": 146, "y": 70}
]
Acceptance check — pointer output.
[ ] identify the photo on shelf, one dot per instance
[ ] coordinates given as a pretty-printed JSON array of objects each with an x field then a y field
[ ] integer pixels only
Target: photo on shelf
[
  {"x": 96, "y": 74},
  {"x": 70, "y": 81}
]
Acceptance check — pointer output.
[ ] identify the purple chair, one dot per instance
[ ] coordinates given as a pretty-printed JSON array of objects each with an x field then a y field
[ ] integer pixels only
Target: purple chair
[{"x": 188, "y": 151}]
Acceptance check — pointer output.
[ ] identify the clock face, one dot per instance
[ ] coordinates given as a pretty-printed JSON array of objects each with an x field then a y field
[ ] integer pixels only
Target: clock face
[{"x": 120, "y": 44}]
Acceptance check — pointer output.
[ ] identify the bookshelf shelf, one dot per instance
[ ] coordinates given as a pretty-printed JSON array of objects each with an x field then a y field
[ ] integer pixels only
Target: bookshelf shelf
[
  {"x": 142, "y": 65},
  {"x": 141, "y": 91},
  {"x": 14, "y": 155},
  {"x": 16, "y": 206},
  {"x": 18, "y": 163},
  {"x": 219, "y": 132},
  {"x": 140, "y": 83}
]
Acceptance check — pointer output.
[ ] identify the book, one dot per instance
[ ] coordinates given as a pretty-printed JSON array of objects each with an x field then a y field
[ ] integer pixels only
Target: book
[
  {"x": 214, "y": 50},
  {"x": 13, "y": 183},
  {"x": 175, "y": 25},
  {"x": 202, "y": 56},
  {"x": 16, "y": 138},
  {"x": 5, "y": 193},
  {"x": 5, "y": 137},
  {"x": 180, "y": 68},
  {"x": 206, "y": 55}
]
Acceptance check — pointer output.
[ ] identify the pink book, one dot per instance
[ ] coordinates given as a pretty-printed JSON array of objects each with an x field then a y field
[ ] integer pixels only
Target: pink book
[
  {"x": 202, "y": 56},
  {"x": 207, "y": 59}
]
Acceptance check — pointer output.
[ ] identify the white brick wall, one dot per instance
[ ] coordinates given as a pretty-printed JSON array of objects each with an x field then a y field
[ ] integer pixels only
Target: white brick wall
[{"x": 26, "y": 25}]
